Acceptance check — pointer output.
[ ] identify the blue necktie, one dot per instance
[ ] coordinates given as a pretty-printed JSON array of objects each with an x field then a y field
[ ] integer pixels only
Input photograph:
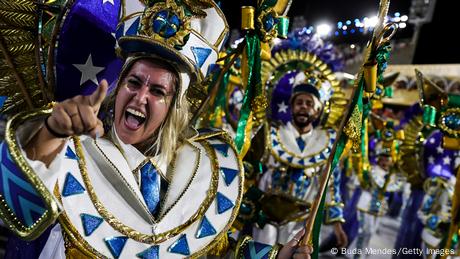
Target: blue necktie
[
  {"x": 150, "y": 186},
  {"x": 300, "y": 143}
]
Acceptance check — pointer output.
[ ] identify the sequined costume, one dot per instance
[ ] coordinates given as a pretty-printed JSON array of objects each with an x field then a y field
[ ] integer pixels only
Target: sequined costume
[
  {"x": 293, "y": 161},
  {"x": 435, "y": 210},
  {"x": 292, "y": 172},
  {"x": 97, "y": 186},
  {"x": 102, "y": 198},
  {"x": 372, "y": 204}
]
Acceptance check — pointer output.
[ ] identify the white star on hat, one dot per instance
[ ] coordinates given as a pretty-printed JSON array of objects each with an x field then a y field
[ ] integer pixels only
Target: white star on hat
[
  {"x": 282, "y": 107},
  {"x": 88, "y": 71},
  {"x": 439, "y": 149},
  {"x": 432, "y": 140},
  {"x": 446, "y": 160},
  {"x": 431, "y": 160},
  {"x": 108, "y": 1}
]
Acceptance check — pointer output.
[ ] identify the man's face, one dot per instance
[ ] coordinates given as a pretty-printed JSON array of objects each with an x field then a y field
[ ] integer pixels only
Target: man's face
[
  {"x": 143, "y": 101},
  {"x": 385, "y": 162},
  {"x": 303, "y": 110}
]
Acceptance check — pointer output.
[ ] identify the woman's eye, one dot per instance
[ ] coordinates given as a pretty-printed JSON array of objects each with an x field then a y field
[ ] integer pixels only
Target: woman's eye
[
  {"x": 157, "y": 92},
  {"x": 133, "y": 83}
]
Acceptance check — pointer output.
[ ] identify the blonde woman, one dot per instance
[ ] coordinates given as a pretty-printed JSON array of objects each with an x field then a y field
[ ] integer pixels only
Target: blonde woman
[{"x": 149, "y": 186}]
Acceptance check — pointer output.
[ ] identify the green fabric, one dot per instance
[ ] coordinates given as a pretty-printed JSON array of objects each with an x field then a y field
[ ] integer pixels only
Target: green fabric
[
  {"x": 454, "y": 100},
  {"x": 381, "y": 57},
  {"x": 389, "y": 91},
  {"x": 253, "y": 84},
  {"x": 341, "y": 142},
  {"x": 319, "y": 216}
]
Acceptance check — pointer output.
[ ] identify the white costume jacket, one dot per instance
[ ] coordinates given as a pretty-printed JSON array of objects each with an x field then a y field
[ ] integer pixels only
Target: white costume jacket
[{"x": 92, "y": 189}]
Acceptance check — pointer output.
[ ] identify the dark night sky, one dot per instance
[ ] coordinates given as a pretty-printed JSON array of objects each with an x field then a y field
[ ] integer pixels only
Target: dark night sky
[
  {"x": 439, "y": 40},
  {"x": 317, "y": 11},
  {"x": 434, "y": 45},
  {"x": 336, "y": 10}
]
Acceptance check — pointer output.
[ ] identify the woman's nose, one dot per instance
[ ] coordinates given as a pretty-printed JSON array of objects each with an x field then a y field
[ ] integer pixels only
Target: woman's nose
[{"x": 142, "y": 94}]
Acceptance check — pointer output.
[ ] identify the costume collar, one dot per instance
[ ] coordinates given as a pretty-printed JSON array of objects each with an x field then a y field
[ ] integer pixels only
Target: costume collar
[
  {"x": 295, "y": 132},
  {"x": 135, "y": 157},
  {"x": 285, "y": 149},
  {"x": 196, "y": 216}
]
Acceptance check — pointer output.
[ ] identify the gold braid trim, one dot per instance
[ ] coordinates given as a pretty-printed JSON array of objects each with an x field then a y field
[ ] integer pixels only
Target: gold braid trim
[
  {"x": 75, "y": 245},
  {"x": 242, "y": 243},
  {"x": 274, "y": 251},
  {"x": 130, "y": 232},
  {"x": 52, "y": 209},
  {"x": 235, "y": 211}
]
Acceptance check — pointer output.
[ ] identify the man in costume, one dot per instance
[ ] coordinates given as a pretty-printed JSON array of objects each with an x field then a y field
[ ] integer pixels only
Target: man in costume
[
  {"x": 297, "y": 151},
  {"x": 439, "y": 212},
  {"x": 372, "y": 202},
  {"x": 143, "y": 187}
]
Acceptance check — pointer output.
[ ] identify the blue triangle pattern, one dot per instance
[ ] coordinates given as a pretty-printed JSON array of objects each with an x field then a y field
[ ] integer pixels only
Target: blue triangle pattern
[
  {"x": 90, "y": 223},
  {"x": 70, "y": 154},
  {"x": 289, "y": 159},
  {"x": 222, "y": 148},
  {"x": 200, "y": 54},
  {"x": 132, "y": 30},
  {"x": 30, "y": 211},
  {"x": 20, "y": 196},
  {"x": 275, "y": 143},
  {"x": 180, "y": 246},
  {"x": 72, "y": 186},
  {"x": 312, "y": 159},
  {"x": 256, "y": 250},
  {"x": 120, "y": 30},
  {"x": 229, "y": 174},
  {"x": 334, "y": 212},
  {"x": 322, "y": 156},
  {"x": 150, "y": 253},
  {"x": 258, "y": 247},
  {"x": 280, "y": 152},
  {"x": 205, "y": 229},
  {"x": 301, "y": 162},
  {"x": 211, "y": 68},
  {"x": 223, "y": 203},
  {"x": 116, "y": 245},
  {"x": 300, "y": 143}
]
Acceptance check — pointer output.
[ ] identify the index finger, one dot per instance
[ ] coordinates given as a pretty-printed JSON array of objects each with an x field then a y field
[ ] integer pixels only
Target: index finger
[{"x": 96, "y": 98}]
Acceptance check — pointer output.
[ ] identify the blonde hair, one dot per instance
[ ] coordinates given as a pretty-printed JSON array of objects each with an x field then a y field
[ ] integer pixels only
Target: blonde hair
[{"x": 171, "y": 131}]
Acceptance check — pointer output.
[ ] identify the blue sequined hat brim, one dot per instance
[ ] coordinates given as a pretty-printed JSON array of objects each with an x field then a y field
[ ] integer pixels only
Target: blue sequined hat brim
[{"x": 136, "y": 44}]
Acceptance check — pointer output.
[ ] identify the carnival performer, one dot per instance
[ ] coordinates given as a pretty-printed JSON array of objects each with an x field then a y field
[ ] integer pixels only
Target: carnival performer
[
  {"x": 298, "y": 149},
  {"x": 435, "y": 211},
  {"x": 149, "y": 186},
  {"x": 372, "y": 202},
  {"x": 429, "y": 156}
]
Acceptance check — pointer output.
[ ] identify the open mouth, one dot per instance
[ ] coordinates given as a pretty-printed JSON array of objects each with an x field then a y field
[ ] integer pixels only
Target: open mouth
[
  {"x": 302, "y": 115},
  {"x": 134, "y": 118}
]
